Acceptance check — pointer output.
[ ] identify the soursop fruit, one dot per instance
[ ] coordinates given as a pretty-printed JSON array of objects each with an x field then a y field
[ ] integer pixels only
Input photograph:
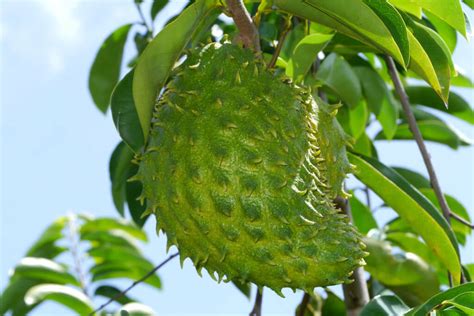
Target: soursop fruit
[{"x": 241, "y": 170}]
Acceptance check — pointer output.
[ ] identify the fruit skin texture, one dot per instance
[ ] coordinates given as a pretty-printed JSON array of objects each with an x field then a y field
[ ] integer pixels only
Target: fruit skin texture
[{"x": 241, "y": 169}]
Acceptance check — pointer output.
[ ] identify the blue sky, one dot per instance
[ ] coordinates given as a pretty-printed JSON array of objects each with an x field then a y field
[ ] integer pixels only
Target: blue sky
[{"x": 55, "y": 146}]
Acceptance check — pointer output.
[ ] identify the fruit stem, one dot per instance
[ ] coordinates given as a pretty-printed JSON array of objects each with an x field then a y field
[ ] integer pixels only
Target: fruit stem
[
  {"x": 257, "y": 308},
  {"x": 243, "y": 21}
]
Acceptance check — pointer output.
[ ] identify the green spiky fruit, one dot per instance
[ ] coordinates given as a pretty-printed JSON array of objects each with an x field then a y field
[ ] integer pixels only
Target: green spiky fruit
[{"x": 241, "y": 170}]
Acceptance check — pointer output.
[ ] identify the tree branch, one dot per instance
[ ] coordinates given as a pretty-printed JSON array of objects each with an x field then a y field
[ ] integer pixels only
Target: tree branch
[
  {"x": 356, "y": 294},
  {"x": 281, "y": 40},
  {"x": 124, "y": 292},
  {"x": 243, "y": 21},
  {"x": 257, "y": 307},
  {"x": 304, "y": 304},
  {"x": 420, "y": 142},
  {"x": 461, "y": 220}
]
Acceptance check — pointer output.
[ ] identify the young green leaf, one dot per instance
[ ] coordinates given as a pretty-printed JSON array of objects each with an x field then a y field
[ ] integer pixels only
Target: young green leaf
[
  {"x": 114, "y": 270},
  {"x": 105, "y": 70},
  {"x": 373, "y": 87},
  {"x": 156, "y": 7},
  {"x": 408, "y": 6},
  {"x": 449, "y": 11},
  {"x": 413, "y": 207},
  {"x": 388, "y": 116},
  {"x": 305, "y": 54},
  {"x": 119, "y": 167},
  {"x": 358, "y": 117},
  {"x": 107, "y": 224},
  {"x": 448, "y": 34},
  {"x": 65, "y": 295},
  {"x": 124, "y": 113},
  {"x": 361, "y": 215},
  {"x": 45, "y": 246},
  {"x": 45, "y": 270},
  {"x": 158, "y": 59}
]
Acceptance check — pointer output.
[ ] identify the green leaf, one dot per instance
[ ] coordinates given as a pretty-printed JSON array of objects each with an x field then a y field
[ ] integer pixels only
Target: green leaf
[
  {"x": 115, "y": 236},
  {"x": 387, "y": 305},
  {"x": 414, "y": 178},
  {"x": 361, "y": 215},
  {"x": 364, "y": 146},
  {"x": 244, "y": 287},
  {"x": 119, "y": 169},
  {"x": 463, "y": 302},
  {"x": 124, "y": 113},
  {"x": 156, "y": 62},
  {"x": 116, "y": 270},
  {"x": 105, "y": 70},
  {"x": 136, "y": 205},
  {"x": 333, "y": 305},
  {"x": 295, "y": 35},
  {"x": 413, "y": 207},
  {"x": 135, "y": 309},
  {"x": 408, "y": 6},
  {"x": 394, "y": 22},
  {"x": 336, "y": 74},
  {"x": 305, "y": 53},
  {"x": 358, "y": 116},
  {"x": 111, "y": 292},
  {"x": 451, "y": 293},
  {"x": 115, "y": 254},
  {"x": 457, "y": 106},
  {"x": 373, "y": 87},
  {"x": 156, "y": 7},
  {"x": 45, "y": 245},
  {"x": 448, "y": 34},
  {"x": 67, "y": 296},
  {"x": 461, "y": 230},
  {"x": 44, "y": 269},
  {"x": 16, "y": 289},
  {"x": 388, "y": 117},
  {"x": 461, "y": 80},
  {"x": 449, "y": 11},
  {"x": 431, "y": 130},
  {"x": 107, "y": 224},
  {"x": 339, "y": 15},
  {"x": 469, "y": 3}
]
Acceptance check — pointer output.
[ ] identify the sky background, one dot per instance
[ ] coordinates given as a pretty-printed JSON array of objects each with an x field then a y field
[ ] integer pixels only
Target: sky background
[{"x": 55, "y": 147}]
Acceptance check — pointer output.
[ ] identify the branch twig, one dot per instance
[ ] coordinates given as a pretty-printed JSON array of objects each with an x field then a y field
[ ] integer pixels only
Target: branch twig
[
  {"x": 419, "y": 141},
  {"x": 281, "y": 40},
  {"x": 124, "y": 292},
  {"x": 142, "y": 17},
  {"x": 461, "y": 220},
  {"x": 257, "y": 307},
  {"x": 243, "y": 21},
  {"x": 304, "y": 304}
]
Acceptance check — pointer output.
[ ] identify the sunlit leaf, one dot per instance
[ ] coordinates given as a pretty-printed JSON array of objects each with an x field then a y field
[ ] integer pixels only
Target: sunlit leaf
[
  {"x": 45, "y": 270},
  {"x": 387, "y": 305},
  {"x": 107, "y": 224},
  {"x": 358, "y": 118},
  {"x": 449, "y": 11},
  {"x": 45, "y": 246}
]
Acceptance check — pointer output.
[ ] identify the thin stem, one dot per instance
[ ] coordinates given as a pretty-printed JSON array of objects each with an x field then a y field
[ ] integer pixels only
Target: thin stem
[
  {"x": 142, "y": 17},
  {"x": 257, "y": 307},
  {"x": 461, "y": 220},
  {"x": 304, "y": 304},
  {"x": 243, "y": 21},
  {"x": 74, "y": 248},
  {"x": 281, "y": 40},
  {"x": 124, "y": 292},
  {"x": 419, "y": 141},
  {"x": 367, "y": 196}
]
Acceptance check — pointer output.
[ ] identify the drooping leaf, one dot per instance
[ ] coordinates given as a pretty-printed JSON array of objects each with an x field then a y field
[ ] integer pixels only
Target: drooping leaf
[
  {"x": 125, "y": 115},
  {"x": 107, "y": 224},
  {"x": 111, "y": 292},
  {"x": 451, "y": 293},
  {"x": 388, "y": 117},
  {"x": 358, "y": 118},
  {"x": 387, "y": 305},
  {"x": 333, "y": 305},
  {"x": 336, "y": 74},
  {"x": 449, "y": 11},
  {"x": 457, "y": 106},
  {"x": 448, "y": 34},
  {"x": 432, "y": 130},
  {"x": 105, "y": 70},
  {"x": 156, "y": 7},
  {"x": 45, "y": 270},
  {"x": 158, "y": 59},
  {"x": 136, "y": 205},
  {"x": 413, "y": 207},
  {"x": 361, "y": 215},
  {"x": 65, "y": 295},
  {"x": 339, "y": 15},
  {"x": 363, "y": 145},
  {"x": 244, "y": 288},
  {"x": 119, "y": 168},
  {"x": 373, "y": 87},
  {"x": 45, "y": 246},
  {"x": 305, "y": 54}
]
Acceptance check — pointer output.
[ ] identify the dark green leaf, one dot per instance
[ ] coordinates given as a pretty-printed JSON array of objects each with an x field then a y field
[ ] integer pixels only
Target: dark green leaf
[
  {"x": 124, "y": 113},
  {"x": 388, "y": 117},
  {"x": 387, "y": 305},
  {"x": 451, "y": 293},
  {"x": 119, "y": 169},
  {"x": 111, "y": 292},
  {"x": 294, "y": 36},
  {"x": 156, "y": 7},
  {"x": 417, "y": 180},
  {"x": 67, "y": 296},
  {"x": 362, "y": 216},
  {"x": 464, "y": 302},
  {"x": 413, "y": 207},
  {"x": 156, "y": 62},
  {"x": 336, "y": 74},
  {"x": 364, "y": 146},
  {"x": 45, "y": 245},
  {"x": 45, "y": 270},
  {"x": 305, "y": 54},
  {"x": 105, "y": 70},
  {"x": 457, "y": 106},
  {"x": 12, "y": 296},
  {"x": 358, "y": 116},
  {"x": 436, "y": 131},
  {"x": 373, "y": 87},
  {"x": 136, "y": 206},
  {"x": 244, "y": 287},
  {"x": 333, "y": 305}
]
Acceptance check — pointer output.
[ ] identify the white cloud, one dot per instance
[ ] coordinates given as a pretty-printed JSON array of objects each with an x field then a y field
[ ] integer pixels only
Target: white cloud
[{"x": 64, "y": 16}]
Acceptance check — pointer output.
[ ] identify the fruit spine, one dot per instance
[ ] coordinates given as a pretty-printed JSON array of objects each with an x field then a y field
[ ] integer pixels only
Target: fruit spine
[{"x": 241, "y": 170}]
